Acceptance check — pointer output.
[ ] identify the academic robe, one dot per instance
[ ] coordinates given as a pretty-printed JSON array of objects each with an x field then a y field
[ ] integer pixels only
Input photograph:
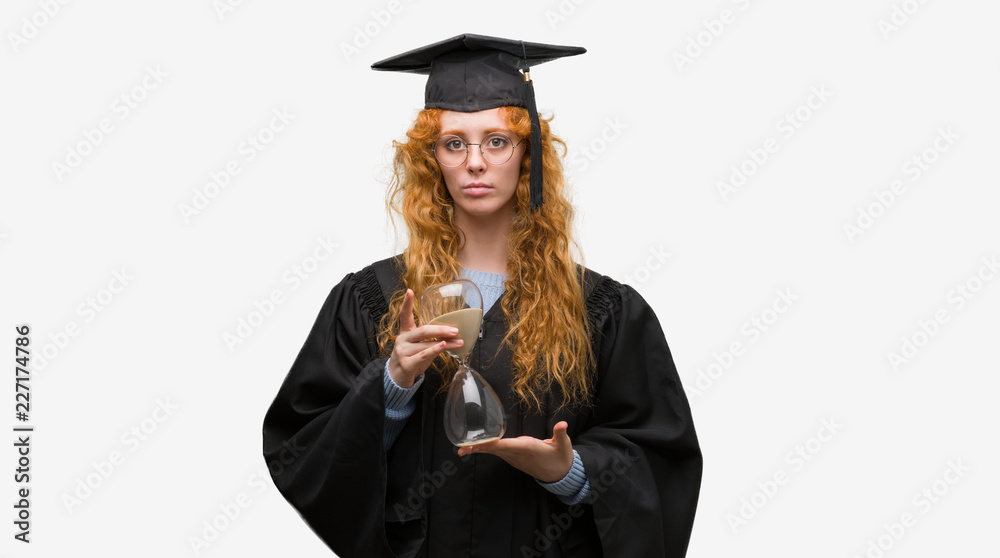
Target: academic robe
[{"x": 323, "y": 442}]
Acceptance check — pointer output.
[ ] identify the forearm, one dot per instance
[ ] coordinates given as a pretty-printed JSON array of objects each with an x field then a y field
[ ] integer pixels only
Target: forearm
[{"x": 399, "y": 405}]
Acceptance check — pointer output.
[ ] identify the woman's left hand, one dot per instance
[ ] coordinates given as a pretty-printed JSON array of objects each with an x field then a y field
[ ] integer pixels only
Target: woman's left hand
[{"x": 546, "y": 460}]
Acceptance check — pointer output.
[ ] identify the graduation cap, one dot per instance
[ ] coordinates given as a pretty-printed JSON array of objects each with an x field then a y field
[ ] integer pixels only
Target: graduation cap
[{"x": 469, "y": 73}]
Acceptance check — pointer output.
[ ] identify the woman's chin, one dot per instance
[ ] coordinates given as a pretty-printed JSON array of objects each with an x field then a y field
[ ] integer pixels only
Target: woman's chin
[{"x": 479, "y": 208}]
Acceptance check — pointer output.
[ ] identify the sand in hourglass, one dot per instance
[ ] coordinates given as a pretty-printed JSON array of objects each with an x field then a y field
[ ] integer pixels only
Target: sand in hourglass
[{"x": 467, "y": 321}]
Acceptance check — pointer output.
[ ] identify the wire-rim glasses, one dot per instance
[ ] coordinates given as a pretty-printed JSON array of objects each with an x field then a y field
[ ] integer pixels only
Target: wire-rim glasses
[{"x": 452, "y": 151}]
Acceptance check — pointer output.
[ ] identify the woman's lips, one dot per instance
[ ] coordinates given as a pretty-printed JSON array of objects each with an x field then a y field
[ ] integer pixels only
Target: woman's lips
[{"x": 476, "y": 189}]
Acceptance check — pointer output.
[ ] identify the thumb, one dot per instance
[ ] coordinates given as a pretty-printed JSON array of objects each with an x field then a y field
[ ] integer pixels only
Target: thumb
[{"x": 559, "y": 435}]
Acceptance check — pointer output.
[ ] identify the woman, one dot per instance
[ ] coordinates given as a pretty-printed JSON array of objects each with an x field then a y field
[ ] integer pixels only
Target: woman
[{"x": 600, "y": 456}]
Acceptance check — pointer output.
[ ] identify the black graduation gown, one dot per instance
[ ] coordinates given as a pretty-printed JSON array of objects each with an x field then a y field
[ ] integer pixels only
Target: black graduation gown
[{"x": 323, "y": 440}]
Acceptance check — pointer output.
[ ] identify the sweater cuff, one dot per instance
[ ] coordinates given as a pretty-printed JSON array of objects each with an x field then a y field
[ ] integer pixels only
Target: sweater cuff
[
  {"x": 574, "y": 488},
  {"x": 397, "y": 397}
]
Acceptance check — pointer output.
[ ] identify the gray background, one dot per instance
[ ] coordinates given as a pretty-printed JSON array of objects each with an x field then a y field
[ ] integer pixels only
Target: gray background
[{"x": 650, "y": 138}]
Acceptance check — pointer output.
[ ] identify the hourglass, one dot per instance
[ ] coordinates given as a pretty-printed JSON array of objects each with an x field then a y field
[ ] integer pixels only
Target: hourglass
[{"x": 472, "y": 411}]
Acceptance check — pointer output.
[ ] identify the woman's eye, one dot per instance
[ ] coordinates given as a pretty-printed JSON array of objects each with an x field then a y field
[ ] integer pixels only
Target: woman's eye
[
  {"x": 454, "y": 145},
  {"x": 496, "y": 142}
]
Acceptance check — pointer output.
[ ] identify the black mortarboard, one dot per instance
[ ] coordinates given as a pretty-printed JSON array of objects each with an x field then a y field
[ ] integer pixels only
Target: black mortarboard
[{"x": 469, "y": 73}]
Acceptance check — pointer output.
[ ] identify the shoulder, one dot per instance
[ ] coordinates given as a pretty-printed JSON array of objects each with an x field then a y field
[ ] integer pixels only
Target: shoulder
[
  {"x": 393, "y": 264},
  {"x": 602, "y": 291},
  {"x": 601, "y": 294},
  {"x": 375, "y": 284},
  {"x": 366, "y": 290},
  {"x": 372, "y": 275},
  {"x": 606, "y": 298}
]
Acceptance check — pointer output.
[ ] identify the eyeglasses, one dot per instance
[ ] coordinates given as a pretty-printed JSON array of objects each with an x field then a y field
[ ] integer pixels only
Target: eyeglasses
[{"x": 452, "y": 151}]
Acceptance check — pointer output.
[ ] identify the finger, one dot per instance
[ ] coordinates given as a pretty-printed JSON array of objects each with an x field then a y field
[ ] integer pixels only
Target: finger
[
  {"x": 416, "y": 363},
  {"x": 559, "y": 435},
  {"x": 412, "y": 349},
  {"x": 428, "y": 333},
  {"x": 520, "y": 445},
  {"x": 406, "y": 322},
  {"x": 496, "y": 446},
  {"x": 432, "y": 332},
  {"x": 425, "y": 356}
]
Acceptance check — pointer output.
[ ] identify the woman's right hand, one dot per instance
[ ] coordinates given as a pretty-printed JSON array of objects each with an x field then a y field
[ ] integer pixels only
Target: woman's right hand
[{"x": 412, "y": 352}]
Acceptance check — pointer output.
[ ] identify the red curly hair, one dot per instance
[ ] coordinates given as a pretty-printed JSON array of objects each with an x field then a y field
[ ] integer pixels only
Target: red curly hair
[{"x": 543, "y": 302}]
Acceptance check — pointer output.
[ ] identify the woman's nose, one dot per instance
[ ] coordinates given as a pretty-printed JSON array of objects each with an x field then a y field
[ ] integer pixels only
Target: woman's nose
[{"x": 475, "y": 162}]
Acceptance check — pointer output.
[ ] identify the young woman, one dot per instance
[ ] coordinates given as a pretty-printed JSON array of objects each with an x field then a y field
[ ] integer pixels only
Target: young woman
[{"x": 600, "y": 456}]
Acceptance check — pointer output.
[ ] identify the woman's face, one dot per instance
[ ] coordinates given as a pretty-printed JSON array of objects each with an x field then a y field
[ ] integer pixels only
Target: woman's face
[{"x": 480, "y": 188}]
